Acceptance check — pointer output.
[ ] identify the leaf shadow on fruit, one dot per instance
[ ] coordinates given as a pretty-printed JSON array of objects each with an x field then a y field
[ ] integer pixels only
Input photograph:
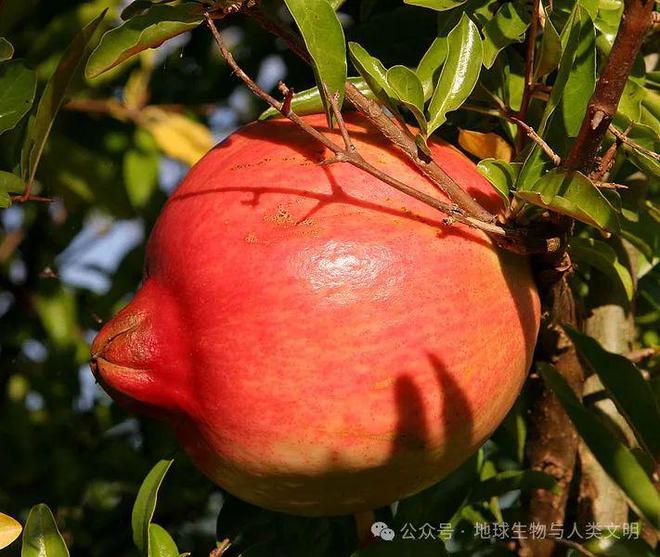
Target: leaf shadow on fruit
[{"x": 414, "y": 431}]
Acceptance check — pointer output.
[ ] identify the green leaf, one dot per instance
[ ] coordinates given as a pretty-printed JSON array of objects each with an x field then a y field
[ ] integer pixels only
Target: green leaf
[
  {"x": 148, "y": 30},
  {"x": 550, "y": 50},
  {"x": 53, "y": 96},
  {"x": 430, "y": 64},
  {"x": 601, "y": 256},
  {"x": 41, "y": 538},
  {"x": 18, "y": 85},
  {"x": 372, "y": 71},
  {"x": 145, "y": 505},
  {"x": 309, "y": 101},
  {"x": 139, "y": 7},
  {"x": 6, "y": 49},
  {"x": 505, "y": 482},
  {"x": 570, "y": 41},
  {"x": 438, "y": 5},
  {"x": 9, "y": 183},
  {"x": 615, "y": 458},
  {"x": 644, "y": 136},
  {"x": 502, "y": 175},
  {"x": 460, "y": 72},
  {"x": 324, "y": 38},
  {"x": 631, "y": 393},
  {"x": 645, "y": 233},
  {"x": 508, "y": 26},
  {"x": 572, "y": 194},
  {"x": 336, "y": 4},
  {"x": 161, "y": 543},
  {"x": 408, "y": 89},
  {"x": 581, "y": 78}
]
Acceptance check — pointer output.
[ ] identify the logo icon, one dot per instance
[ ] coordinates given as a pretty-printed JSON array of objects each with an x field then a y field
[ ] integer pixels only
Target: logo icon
[{"x": 382, "y": 531}]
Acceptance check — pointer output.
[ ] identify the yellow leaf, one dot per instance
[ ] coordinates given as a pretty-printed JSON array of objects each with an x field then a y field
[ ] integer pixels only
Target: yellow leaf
[
  {"x": 485, "y": 145},
  {"x": 136, "y": 90},
  {"x": 177, "y": 136},
  {"x": 10, "y": 529}
]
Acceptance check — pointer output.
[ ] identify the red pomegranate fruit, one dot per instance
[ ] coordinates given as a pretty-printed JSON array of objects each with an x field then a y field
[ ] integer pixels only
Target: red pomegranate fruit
[{"x": 320, "y": 343}]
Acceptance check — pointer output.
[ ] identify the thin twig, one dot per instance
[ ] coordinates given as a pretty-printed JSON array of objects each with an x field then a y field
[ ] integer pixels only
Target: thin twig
[
  {"x": 531, "y": 133},
  {"x": 508, "y": 114},
  {"x": 637, "y": 356},
  {"x": 610, "y": 185},
  {"x": 529, "y": 73},
  {"x": 623, "y": 137},
  {"x": 23, "y": 198},
  {"x": 341, "y": 124},
  {"x": 346, "y": 155},
  {"x": 401, "y": 138}
]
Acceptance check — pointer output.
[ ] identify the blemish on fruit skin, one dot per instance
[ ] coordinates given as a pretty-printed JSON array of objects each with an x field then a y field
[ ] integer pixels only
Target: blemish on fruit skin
[
  {"x": 251, "y": 239},
  {"x": 384, "y": 384},
  {"x": 281, "y": 217}
]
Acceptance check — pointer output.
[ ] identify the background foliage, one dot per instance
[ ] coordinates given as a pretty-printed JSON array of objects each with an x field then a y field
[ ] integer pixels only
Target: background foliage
[{"x": 124, "y": 139}]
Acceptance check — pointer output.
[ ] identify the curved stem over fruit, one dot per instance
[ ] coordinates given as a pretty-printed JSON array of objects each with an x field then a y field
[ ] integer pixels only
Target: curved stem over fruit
[
  {"x": 401, "y": 138},
  {"x": 510, "y": 239}
]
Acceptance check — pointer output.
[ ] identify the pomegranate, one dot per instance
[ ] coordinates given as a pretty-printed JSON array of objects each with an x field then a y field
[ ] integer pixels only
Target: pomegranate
[{"x": 320, "y": 343}]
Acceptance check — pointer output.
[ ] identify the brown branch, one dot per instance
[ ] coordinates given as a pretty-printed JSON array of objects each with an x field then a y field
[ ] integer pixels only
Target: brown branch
[
  {"x": 638, "y": 356},
  {"x": 529, "y": 85},
  {"x": 505, "y": 111},
  {"x": 623, "y": 138},
  {"x": 531, "y": 133},
  {"x": 25, "y": 197},
  {"x": 402, "y": 139},
  {"x": 553, "y": 441},
  {"x": 602, "y": 106},
  {"x": 352, "y": 156}
]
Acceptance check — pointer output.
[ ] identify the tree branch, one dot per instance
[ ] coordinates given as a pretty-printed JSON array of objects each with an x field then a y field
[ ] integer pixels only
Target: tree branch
[
  {"x": 350, "y": 155},
  {"x": 402, "y": 140},
  {"x": 623, "y": 138},
  {"x": 635, "y": 22}
]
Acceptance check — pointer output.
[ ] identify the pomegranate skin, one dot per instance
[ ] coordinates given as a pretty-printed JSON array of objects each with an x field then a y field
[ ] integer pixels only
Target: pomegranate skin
[{"x": 320, "y": 343}]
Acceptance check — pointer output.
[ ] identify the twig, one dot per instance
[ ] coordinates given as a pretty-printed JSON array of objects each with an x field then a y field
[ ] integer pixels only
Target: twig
[
  {"x": 507, "y": 113},
  {"x": 23, "y": 198},
  {"x": 610, "y": 185},
  {"x": 623, "y": 138},
  {"x": 637, "y": 356},
  {"x": 352, "y": 156},
  {"x": 529, "y": 73},
  {"x": 402, "y": 139},
  {"x": 635, "y": 22},
  {"x": 531, "y": 133},
  {"x": 607, "y": 160},
  {"x": 336, "y": 111}
]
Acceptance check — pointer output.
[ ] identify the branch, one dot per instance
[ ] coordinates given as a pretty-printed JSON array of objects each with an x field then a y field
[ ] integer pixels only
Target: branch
[
  {"x": 399, "y": 137},
  {"x": 350, "y": 155},
  {"x": 623, "y": 138},
  {"x": 531, "y": 133},
  {"x": 506, "y": 112},
  {"x": 529, "y": 73},
  {"x": 635, "y": 22}
]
